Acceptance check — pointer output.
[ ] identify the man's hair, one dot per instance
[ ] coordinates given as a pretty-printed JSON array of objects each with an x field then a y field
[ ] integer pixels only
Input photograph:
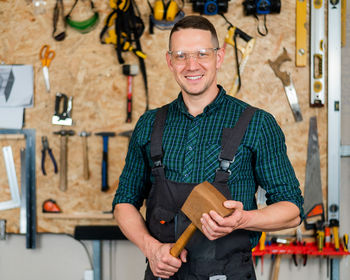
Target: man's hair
[{"x": 195, "y": 22}]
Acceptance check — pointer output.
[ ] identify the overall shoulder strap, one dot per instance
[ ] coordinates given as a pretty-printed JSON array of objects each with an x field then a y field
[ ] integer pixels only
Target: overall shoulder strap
[
  {"x": 157, "y": 135},
  {"x": 230, "y": 141}
]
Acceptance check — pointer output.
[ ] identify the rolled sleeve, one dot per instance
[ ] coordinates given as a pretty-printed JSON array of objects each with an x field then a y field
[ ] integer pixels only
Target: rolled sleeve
[
  {"x": 134, "y": 180},
  {"x": 274, "y": 171}
]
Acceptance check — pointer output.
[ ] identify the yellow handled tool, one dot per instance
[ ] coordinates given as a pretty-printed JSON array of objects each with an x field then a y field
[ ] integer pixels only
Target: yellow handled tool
[{"x": 230, "y": 39}]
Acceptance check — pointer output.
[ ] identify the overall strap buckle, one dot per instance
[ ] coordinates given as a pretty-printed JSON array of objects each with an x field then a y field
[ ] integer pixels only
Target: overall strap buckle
[
  {"x": 157, "y": 163},
  {"x": 225, "y": 164}
]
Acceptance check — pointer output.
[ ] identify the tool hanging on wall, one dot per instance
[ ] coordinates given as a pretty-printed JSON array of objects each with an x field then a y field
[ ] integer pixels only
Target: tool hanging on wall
[
  {"x": 86, "y": 171},
  {"x": 334, "y": 120},
  {"x": 164, "y": 15},
  {"x": 63, "y": 110},
  {"x": 50, "y": 206},
  {"x": 261, "y": 7},
  {"x": 63, "y": 156},
  {"x": 313, "y": 198},
  {"x": 12, "y": 180},
  {"x": 300, "y": 34},
  {"x": 231, "y": 39},
  {"x": 125, "y": 34},
  {"x": 46, "y": 56},
  {"x": 317, "y": 36},
  {"x": 86, "y": 25},
  {"x": 129, "y": 71},
  {"x": 104, "y": 177},
  {"x": 287, "y": 83},
  {"x": 343, "y": 23},
  {"x": 46, "y": 148},
  {"x": 59, "y": 21},
  {"x": 127, "y": 134},
  {"x": 210, "y": 7}
]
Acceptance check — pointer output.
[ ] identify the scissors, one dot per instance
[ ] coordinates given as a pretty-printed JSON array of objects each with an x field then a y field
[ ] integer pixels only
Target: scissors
[{"x": 46, "y": 56}]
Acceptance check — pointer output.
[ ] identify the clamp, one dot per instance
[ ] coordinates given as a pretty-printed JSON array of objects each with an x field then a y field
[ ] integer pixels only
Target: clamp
[{"x": 46, "y": 147}]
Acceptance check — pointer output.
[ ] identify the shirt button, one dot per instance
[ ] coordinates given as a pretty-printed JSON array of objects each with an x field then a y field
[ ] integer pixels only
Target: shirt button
[
  {"x": 190, "y": 148},
  {"x": 186, "y": 175}
]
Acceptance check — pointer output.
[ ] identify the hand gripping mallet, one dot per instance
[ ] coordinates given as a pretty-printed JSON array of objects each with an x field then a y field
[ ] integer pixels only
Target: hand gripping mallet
[{"x": 203, "y": 198}]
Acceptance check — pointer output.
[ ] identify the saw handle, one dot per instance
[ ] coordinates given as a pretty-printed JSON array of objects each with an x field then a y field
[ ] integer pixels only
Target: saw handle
[
  {"x": 275, "y": 65},
  {"x": 183, "y": 240}
]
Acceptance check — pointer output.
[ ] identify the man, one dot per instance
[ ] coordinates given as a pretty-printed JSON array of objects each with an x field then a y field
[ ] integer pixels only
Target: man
[{"x": 190, "y": 141}]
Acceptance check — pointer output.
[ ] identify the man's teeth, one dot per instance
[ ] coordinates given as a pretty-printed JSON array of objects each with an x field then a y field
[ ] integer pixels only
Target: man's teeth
[{"x": 194, "y": 77}]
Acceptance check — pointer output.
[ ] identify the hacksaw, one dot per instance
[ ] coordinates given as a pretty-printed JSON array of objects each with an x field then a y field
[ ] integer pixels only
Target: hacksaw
[
  {"x": 317, "y": 35},
  {"x": 245, "y": 53},
  {"x": 300, "y": 36}
]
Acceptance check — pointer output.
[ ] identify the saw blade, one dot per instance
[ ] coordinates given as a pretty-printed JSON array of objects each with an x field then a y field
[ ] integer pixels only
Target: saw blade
[{"x": 313, "y": 187}]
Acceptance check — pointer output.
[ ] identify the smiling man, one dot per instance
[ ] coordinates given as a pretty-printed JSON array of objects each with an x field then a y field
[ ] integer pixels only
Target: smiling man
[{"x": 195, "y": 139}]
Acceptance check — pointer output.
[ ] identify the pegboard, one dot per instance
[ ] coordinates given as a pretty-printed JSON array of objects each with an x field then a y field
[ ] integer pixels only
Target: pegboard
[{"x": 89, "y": 72}]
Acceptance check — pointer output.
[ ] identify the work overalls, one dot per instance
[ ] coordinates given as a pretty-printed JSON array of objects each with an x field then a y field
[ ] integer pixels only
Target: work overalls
[{"x": 228, "y": 257}]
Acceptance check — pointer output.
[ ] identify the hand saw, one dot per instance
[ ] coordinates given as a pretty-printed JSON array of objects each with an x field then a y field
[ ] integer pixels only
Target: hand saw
[
  {"x": 313, "y": 198},
  {"x": 230, "y": 38},
  {"x": 287, "y": 83}
]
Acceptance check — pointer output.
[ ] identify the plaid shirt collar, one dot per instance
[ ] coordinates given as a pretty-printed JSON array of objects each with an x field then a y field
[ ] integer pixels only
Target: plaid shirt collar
[{"x": 212, "y": 107}]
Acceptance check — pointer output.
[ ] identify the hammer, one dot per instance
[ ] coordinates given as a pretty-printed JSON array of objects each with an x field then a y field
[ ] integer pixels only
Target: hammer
[
  {"x": 84, "y": 136},
  {"x": 63, "y": 156},
  {"x": 127, "y": 134},
  {"x": 105, "y": 136},
  {"x": 130, "y": 71},
  {"x": 203, "y": 198}
]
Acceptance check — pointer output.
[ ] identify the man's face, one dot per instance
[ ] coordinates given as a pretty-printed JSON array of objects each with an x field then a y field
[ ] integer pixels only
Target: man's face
[{"x": 194, "y": 72}]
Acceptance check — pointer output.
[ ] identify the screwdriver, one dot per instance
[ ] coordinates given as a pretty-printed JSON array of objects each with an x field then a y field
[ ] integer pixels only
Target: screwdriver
[
  {"x": 345, "y": 242},
  {"x": 334, "y": 224},
  {"x": 262, "y": 248}
]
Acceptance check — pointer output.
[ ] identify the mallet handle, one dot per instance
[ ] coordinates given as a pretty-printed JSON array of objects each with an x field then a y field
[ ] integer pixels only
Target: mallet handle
[{"x": 183, "y": 240}]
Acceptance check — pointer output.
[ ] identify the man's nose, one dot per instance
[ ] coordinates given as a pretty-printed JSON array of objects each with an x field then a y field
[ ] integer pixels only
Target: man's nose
[{"x": 191, "y": 61}]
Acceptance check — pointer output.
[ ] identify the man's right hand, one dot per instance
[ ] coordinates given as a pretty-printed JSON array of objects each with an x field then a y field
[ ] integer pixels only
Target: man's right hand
[{"x": 163, "y": 264}]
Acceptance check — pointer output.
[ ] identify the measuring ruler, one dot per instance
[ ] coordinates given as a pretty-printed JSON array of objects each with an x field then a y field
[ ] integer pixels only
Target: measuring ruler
[
  {"x": 300, "y": 34},
  {"x": 317, "y": 33},
  {"x": 334, "y": 120}
]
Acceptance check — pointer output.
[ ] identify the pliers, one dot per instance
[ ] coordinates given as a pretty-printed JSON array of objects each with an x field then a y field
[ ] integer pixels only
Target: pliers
[
  {"x": 46, "y": 147},
  {"x": 299, "y": 242}
]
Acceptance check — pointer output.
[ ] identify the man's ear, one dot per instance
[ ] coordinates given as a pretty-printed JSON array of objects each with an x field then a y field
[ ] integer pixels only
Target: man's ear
[
  {"x": 168, "y": 60},
  {"x": 220, "y": 57}
]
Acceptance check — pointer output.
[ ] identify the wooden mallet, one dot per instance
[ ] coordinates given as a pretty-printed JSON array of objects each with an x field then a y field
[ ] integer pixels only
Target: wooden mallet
[{"x": 203, "y": 198}]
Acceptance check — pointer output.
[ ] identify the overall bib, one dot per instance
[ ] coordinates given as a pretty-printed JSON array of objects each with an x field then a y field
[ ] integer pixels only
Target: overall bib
[{"x": 227, "y": 258}]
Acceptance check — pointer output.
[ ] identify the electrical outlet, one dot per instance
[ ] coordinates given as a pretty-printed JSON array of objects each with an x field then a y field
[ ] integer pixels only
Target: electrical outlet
[{"x": 89, "y": 275}]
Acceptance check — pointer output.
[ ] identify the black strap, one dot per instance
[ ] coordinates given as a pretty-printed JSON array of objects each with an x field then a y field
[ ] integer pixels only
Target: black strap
[
  {"x": 230, "y": 141},
  {"x": 57, "y": 12},
  {"x": 157, "y": 135}
]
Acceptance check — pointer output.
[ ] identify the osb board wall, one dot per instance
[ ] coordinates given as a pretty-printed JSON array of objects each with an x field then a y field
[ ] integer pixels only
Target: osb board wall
[{"x": 91, "y": 74}]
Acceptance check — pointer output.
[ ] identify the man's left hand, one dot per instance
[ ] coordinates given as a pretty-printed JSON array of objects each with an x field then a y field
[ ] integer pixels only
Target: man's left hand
[{"x": 215, "y": 226}]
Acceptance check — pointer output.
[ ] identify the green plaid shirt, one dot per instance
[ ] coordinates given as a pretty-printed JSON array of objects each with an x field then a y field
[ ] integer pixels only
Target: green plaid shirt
[{"x": 191, "y": 147}]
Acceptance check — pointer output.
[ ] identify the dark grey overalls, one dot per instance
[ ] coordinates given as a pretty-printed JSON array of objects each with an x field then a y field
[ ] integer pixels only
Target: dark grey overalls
[{"x": 228, "y": 257}]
